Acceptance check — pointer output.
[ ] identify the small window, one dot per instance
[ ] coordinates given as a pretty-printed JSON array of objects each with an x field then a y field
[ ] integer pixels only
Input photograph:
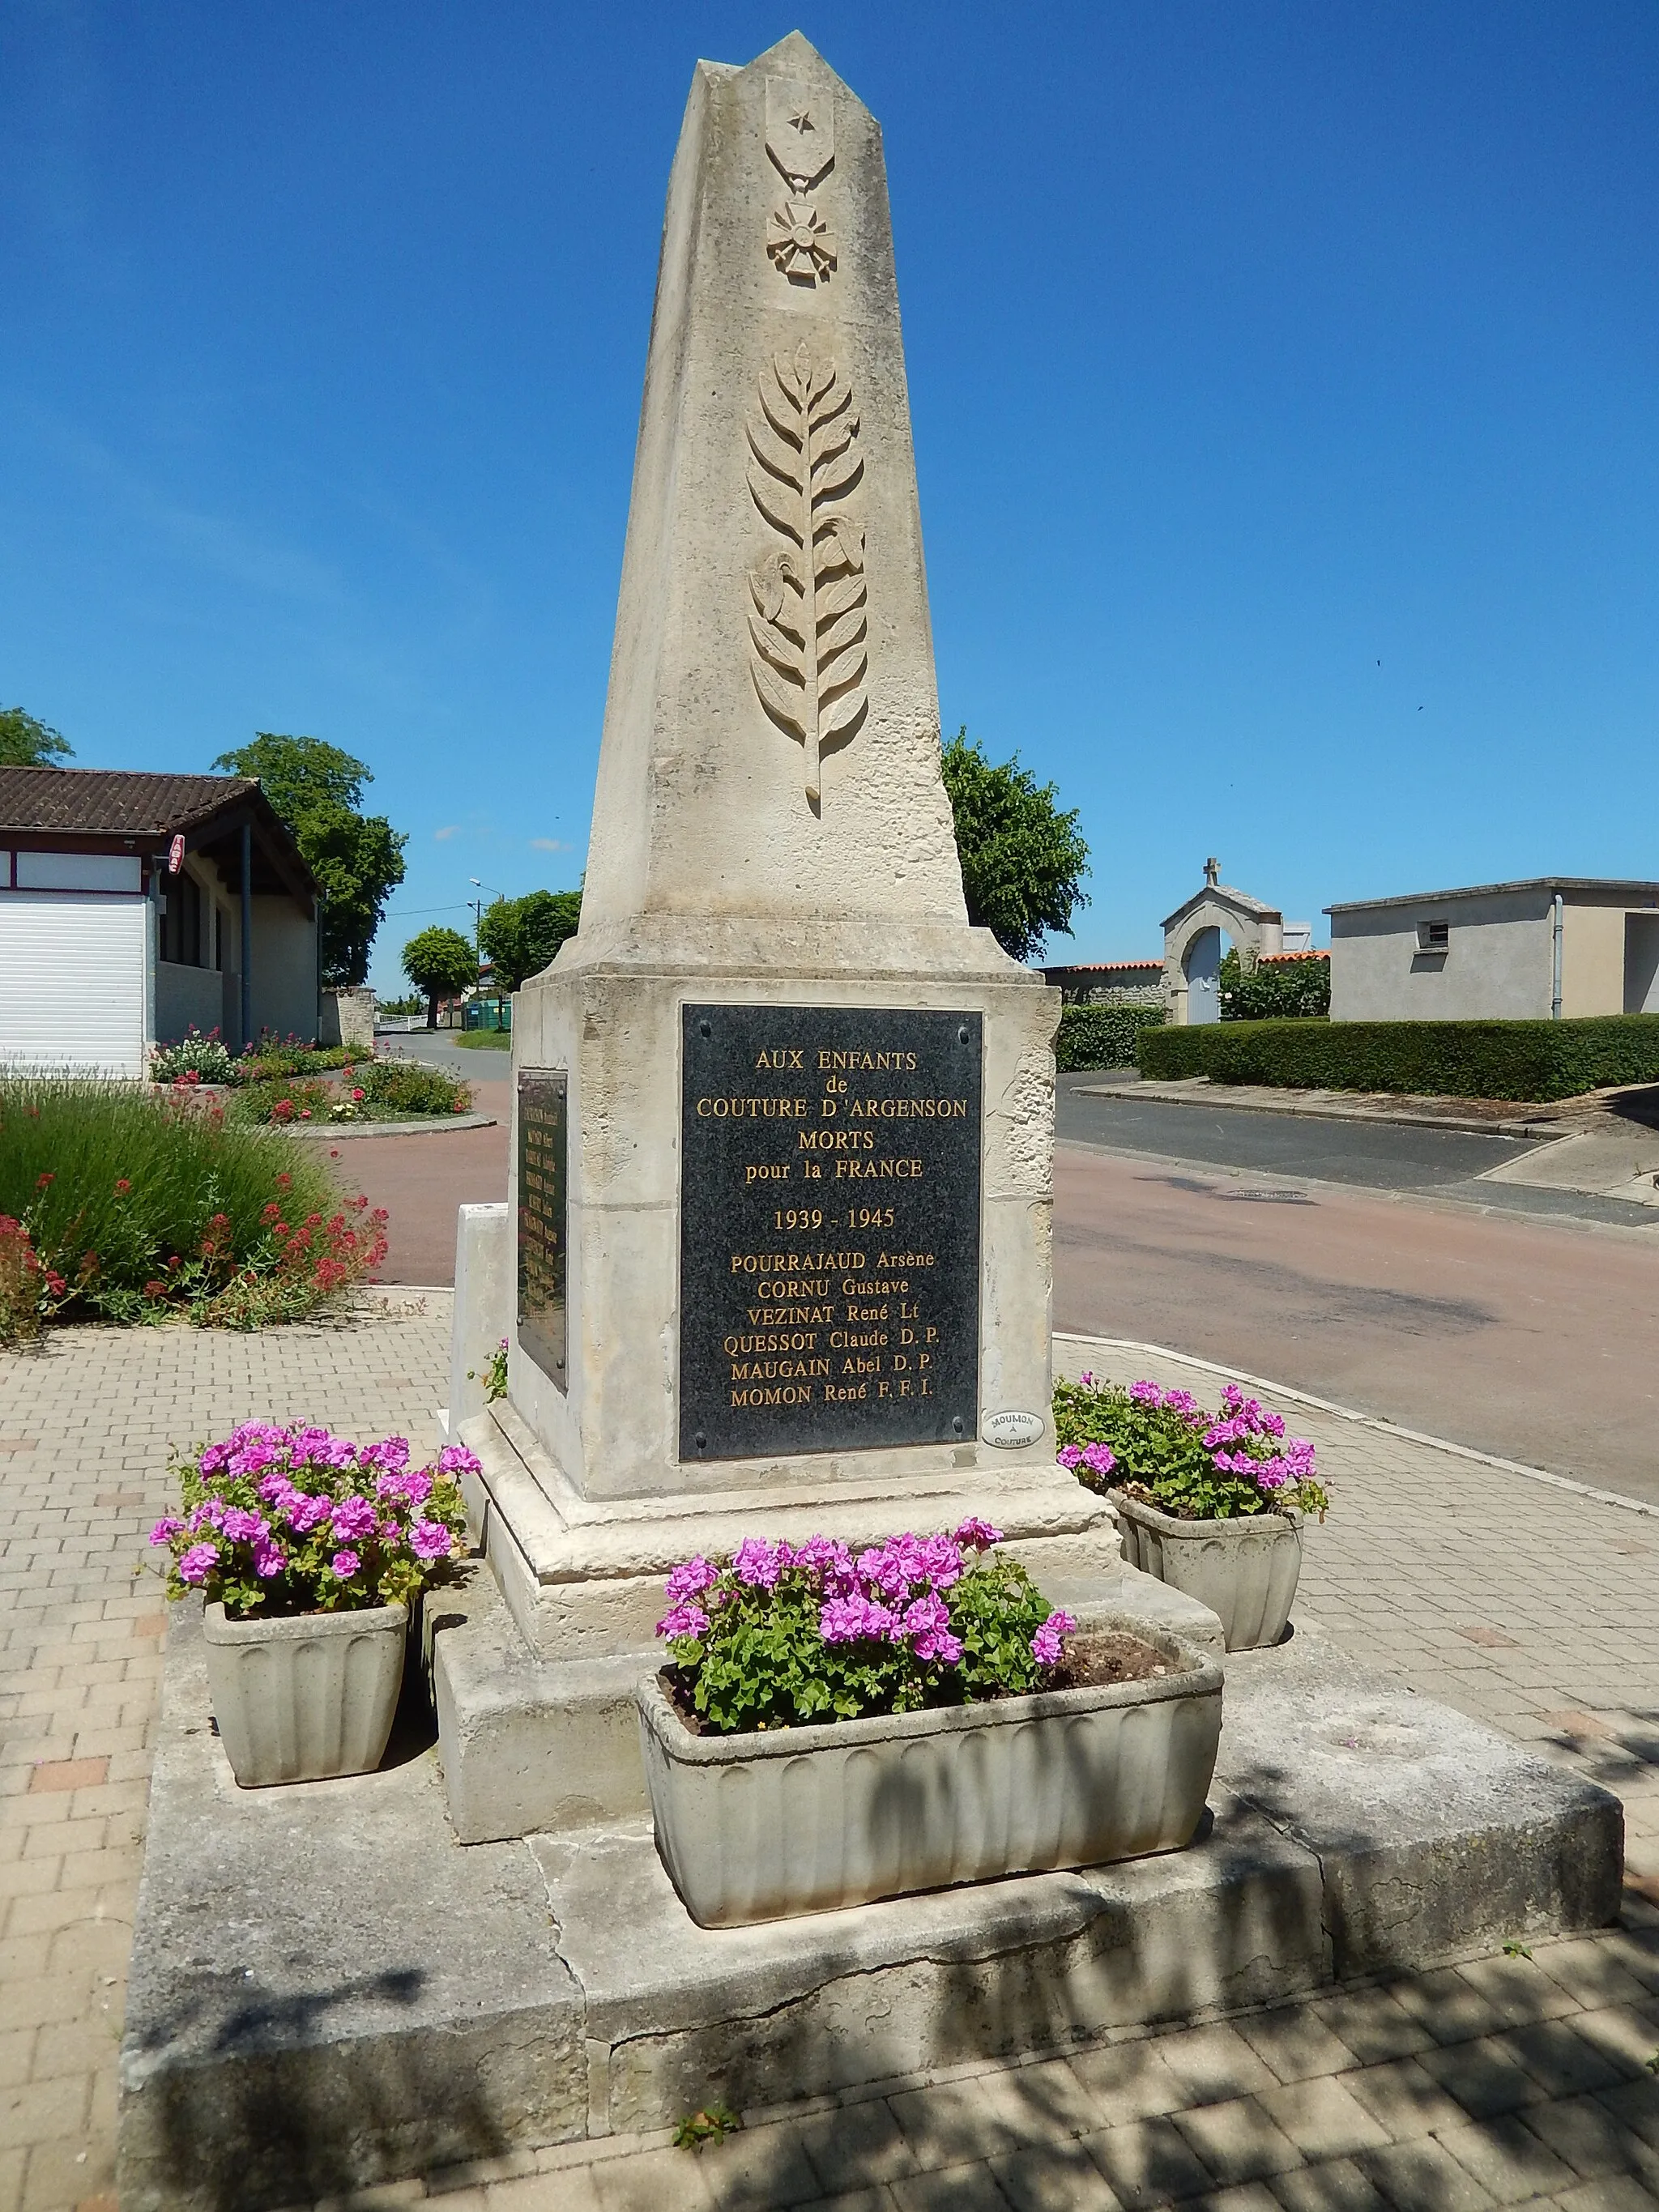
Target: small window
[{"x": 1433, "y": 936}]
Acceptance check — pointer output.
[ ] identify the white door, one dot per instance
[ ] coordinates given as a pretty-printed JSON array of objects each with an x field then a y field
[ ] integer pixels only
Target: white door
[
  {"x": 72, "y": 981},
  {"x": 1203, "y": 971}
]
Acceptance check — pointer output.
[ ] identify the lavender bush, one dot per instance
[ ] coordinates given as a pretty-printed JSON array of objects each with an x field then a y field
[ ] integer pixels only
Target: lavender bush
[
  {"x": 1161, "y": 1446},
  {"x": 784, "y": 1634},
  {"x": 281, "y": 1521}
]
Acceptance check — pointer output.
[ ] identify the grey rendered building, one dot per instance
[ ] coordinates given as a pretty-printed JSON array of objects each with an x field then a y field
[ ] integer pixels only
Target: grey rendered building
[{"x": 1553, "y": 946}]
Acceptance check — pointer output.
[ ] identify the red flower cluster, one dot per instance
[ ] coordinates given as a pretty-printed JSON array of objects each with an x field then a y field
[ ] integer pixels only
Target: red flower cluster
[{"x": 28, "y": 1287}]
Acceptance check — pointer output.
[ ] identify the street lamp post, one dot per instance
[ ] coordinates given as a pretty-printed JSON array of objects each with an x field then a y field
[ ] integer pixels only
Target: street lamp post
[{"x": 477, "y": 905}]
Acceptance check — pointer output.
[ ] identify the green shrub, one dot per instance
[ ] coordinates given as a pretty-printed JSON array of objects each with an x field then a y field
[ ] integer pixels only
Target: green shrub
[
  {"x": 121, "y": 1204},
  {"x": 281, "y": 1100},
  {"x": 1102, "y": 1036},
  {"x": 273, "y": 1056},
  {"x": 394, "y": 1089},
  {"x": 372, "y": 1090},
  {"x": 1284, "y": 990},
  {"x": 1532, "y": 1059}
]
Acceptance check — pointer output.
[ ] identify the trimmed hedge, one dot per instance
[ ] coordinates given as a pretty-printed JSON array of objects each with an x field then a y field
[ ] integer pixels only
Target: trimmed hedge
[
  {"x": 1102, "y": 1036},
  {"x": 1459, "y": 1060}
]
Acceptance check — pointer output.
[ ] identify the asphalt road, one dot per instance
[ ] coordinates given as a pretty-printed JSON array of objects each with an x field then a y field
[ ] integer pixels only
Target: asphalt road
[
  {"x": 1360, "y": 1262},
  {"x": 1531, "y": 1339},
  {"x": 420, "y": 1181},
  {"x": 476, "y": 1063},
  {"x": 1381, "y": 1156}
]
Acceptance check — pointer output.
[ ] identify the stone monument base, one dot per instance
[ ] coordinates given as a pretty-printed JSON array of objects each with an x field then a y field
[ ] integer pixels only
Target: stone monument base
[
  {"x": 535, "y": 1693},
  {"x": 326, "y": 1994}
]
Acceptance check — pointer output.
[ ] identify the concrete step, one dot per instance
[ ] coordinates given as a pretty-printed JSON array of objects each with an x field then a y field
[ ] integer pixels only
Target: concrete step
[{"x": 327, "y": 1991}]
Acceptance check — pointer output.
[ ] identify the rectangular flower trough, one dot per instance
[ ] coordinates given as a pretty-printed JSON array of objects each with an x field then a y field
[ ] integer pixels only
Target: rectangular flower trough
[
  {"x": 305, "y": 1698},
  {"x": 1246, "y": 1570},
  {"x": 760, "y": 1826}
]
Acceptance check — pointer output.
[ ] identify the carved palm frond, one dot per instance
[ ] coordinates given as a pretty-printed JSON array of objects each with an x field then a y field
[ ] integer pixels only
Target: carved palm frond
[{"x": 808, "y": 617}]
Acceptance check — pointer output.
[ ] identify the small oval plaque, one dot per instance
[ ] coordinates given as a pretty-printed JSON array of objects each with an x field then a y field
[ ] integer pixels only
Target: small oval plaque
[{"x": 1011, "y": 1428}]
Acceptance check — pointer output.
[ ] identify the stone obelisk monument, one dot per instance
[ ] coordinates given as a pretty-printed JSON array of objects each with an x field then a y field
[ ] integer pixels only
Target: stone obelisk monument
[{"x": 780, "y": 1212}]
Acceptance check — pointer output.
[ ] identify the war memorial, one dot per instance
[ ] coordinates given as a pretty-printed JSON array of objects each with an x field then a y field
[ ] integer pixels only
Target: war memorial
[{"x": 775, "y": 1265}]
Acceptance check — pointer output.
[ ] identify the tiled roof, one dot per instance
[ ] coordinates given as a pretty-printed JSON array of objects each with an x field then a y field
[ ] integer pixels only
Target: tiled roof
[
  {"x": 1308, "y": 952},
  {"x": 1100, "y": 967},
  {"x": 112, "y": 802}
]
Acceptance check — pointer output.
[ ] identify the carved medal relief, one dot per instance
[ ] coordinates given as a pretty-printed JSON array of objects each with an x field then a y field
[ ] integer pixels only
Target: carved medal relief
[
  {"x": 807, "y": 615},
  {"x": 801, "y": 139}
]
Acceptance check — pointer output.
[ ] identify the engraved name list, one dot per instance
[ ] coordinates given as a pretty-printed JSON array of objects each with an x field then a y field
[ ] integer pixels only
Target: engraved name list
[{"x": 829, "y": 1229}]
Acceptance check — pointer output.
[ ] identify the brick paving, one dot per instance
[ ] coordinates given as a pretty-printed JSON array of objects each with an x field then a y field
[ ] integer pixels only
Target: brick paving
[
  {"x": 85, "y": 1428},
  {"x": 1505, "y": 2081}
]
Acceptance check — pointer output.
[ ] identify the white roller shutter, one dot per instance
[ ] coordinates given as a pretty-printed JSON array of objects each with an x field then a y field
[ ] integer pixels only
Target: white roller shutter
[{"x": 72, "y": 981}]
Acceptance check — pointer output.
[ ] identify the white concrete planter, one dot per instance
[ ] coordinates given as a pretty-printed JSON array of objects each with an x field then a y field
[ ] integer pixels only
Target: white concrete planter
[
  {"x": 303, "y": 1698},
  {"x": 759, "y": 1827},
  {"x": 1245, "y": 1571}
]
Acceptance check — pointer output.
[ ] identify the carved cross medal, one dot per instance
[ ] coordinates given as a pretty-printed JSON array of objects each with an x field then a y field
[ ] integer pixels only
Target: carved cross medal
[{"x": 808, "y": 618}]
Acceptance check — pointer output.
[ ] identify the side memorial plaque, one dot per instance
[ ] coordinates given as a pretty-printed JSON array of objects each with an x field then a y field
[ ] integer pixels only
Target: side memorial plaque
[
  {"x": 543, "y": 1125},
  {"x": 829, "y": 1229}
]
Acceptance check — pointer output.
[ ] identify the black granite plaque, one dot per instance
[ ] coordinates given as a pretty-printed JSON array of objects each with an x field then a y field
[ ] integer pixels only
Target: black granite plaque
[
  {"x": 543, "y": 1140},
  {"x": 829, "y": 1201}
]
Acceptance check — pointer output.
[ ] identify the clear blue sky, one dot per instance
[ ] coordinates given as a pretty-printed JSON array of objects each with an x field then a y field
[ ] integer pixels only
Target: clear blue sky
[{"x": 1285, "y": 381}]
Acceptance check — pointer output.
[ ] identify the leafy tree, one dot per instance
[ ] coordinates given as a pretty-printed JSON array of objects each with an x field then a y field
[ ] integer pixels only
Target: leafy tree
[
  {"x": 522, "y": 935},
  {"x": 1284, "y": 991},
  {"x": 356, "y": 857},
  {"x": 1023, "y": 861},
  {"x": 440, "y": 962},
  {"x": 26, "y": 742}
]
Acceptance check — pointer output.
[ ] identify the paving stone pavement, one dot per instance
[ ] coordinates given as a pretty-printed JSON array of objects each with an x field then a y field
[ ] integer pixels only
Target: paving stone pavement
[
  {"x": 85, "y": 1430},
  {"x": 1506, "y": 2081}
]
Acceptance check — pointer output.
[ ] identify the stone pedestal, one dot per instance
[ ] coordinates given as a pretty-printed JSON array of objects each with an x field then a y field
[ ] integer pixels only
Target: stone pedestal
[
  {"x": 779, "y": 1209},
  {"x": 781, "y": 1201},
  {"x": 613, "y": 1026}
]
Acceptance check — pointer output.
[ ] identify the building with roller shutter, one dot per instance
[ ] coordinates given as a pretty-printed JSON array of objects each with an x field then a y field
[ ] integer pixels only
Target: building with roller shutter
[{"x": 133, "y": 906}]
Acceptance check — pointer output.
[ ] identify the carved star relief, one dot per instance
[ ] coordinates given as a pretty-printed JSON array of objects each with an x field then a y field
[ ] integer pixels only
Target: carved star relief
[{"x": 800, "y": 242}]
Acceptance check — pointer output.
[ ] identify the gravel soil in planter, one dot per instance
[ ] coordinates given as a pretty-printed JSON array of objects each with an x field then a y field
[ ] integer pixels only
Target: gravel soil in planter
[
  {"x": 306, "y": 1697},
  {"x": 760, "y": 1826},
  {"x": 1245, "y": 1570}
]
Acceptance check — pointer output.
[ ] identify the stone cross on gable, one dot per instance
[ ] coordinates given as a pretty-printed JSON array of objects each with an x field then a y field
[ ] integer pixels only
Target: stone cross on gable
[{"x": 1213, "y": 872}]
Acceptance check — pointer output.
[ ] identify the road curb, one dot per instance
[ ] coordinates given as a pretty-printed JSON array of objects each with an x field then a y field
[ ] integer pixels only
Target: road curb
[
  {"x": 423, "y": 1128},
  {"x": 1202, "y": 1093}
]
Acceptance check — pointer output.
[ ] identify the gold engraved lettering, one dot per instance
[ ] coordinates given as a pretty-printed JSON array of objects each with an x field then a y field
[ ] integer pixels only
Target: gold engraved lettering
[
  {"x": 908, "y": 1109},
  {"x": 812, "y": 1263},
  {"x": 903, "y": 1063},
  {"x": 751, "y": 1109}
]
